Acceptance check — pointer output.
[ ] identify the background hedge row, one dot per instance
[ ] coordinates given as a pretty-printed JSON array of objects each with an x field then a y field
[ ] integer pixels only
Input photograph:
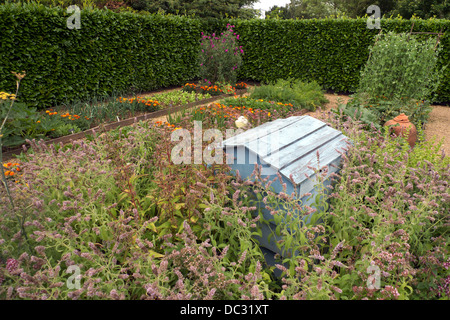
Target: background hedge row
[
  {"x": 330, "y": 51},
  {"x": 110, "y": 53},
  {"x": 126, "y": 52}
]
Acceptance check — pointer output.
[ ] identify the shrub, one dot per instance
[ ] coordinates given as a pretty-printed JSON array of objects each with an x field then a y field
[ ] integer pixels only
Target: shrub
[
  {"x": 401, "y": 67},
  {"x": 220, "y": 57},
  {"x": 21, "y": 124},
  {"x": 368, "y": 116},
  {"x": 401, "y": 76}
]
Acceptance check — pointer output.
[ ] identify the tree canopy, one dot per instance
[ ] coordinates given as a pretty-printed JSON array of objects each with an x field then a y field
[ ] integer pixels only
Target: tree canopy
[
  {"x": 302, "y": 9},
  {"x": 197, "y": 8},
  {"x": 308, "y": 9}
]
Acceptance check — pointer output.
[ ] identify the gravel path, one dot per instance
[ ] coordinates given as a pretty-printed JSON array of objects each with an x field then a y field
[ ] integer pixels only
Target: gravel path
[{"x": 438, "y": 124}]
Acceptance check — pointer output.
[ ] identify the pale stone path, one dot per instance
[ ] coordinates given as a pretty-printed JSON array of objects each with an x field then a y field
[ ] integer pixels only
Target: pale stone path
[{"x": 438, "y": 123}]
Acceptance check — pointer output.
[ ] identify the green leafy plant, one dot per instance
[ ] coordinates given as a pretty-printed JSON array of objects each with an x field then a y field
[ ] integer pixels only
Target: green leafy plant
[
  {"x": 20, "y": 123},
  {"x": 381, "y": 215},
  {"x": 19, "y": 216},
  {"x": 300, "y": 94},
  {"x": 220, "y": 57},
  {"x": 401, "y": 76},
  {"x": 179, "y": 97},
  {"x": 357, "y": 112},
  {"x": 401, "y": 66}
]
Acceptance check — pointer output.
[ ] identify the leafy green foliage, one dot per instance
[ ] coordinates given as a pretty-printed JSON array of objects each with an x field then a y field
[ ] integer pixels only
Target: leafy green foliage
[
  {"x": 112, "y": 53},
  {"x": 118, "y": 53},
  {"x": 197, "y": 8},
  {"x": 21, "y": 124},
  {"x": 300, "y": 94},
  {"x": 357, "y": 112},
  {"x": 401, "y": 76},
  {"x": 424, "y": 9},
  {"x": 307, "y": 9},
  {"x": 178, "y": 97},
  {"x": 220, "y": 57},
  {"x": 329, "y": 51},
  {"x": 304, "y": 9},
  {"x": 401, "y": 66}
]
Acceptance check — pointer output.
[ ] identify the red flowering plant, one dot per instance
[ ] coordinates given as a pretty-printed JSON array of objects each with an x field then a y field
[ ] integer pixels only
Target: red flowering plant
[{"x": 220, "y": 57}]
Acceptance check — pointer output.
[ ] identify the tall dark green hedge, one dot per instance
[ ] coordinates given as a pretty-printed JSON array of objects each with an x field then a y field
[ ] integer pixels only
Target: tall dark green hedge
[
  {"x": 330, "y": 51},
  {"x": 111, "y": 52},
  {"x": 120, "y": 52}
]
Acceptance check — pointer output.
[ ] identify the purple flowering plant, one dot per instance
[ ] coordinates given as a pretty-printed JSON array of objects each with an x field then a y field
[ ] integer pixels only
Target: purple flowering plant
[
  {"x": 220, "y": 57},
  {"x": 140, "y": 227}
]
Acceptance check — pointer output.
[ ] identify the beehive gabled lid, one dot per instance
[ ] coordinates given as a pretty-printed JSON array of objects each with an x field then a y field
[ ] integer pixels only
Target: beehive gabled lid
[{"x": 290, "y": 145}]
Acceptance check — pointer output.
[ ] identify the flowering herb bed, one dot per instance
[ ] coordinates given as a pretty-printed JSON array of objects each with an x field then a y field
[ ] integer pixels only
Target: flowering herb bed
[
  {"x": 224, "y": 114},
  {"x": 137, "y": 226}
]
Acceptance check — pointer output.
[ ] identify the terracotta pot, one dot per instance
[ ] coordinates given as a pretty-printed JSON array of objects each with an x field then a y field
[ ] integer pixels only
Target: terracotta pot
[{"x": 399, "y": 126}]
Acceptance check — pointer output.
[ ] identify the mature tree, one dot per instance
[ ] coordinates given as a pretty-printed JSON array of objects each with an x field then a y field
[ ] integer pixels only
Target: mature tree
[
  {"x": 324, "y": 8},
  {"x": 306, "y": 9},
  {"x": 277, "y": 12},
  {"x": 424, "y": 9},
  {"x": 358, "y": 8},
  {"x": 79, "y": 3},
  {"x": 198, "y": 8},
  {"x": 309, "y": 9}
]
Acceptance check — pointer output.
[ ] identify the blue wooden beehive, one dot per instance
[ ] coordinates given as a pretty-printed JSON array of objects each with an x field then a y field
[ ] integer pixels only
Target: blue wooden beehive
[{"x": 288, "y": 146}]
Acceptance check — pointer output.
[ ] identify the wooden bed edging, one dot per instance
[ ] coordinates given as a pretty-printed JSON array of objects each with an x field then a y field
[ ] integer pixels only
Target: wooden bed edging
[{"x": 122, "y": 123}]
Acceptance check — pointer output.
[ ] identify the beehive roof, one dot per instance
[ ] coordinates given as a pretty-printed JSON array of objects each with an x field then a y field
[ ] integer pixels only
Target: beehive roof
[{"x": 290, "y": 145}]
